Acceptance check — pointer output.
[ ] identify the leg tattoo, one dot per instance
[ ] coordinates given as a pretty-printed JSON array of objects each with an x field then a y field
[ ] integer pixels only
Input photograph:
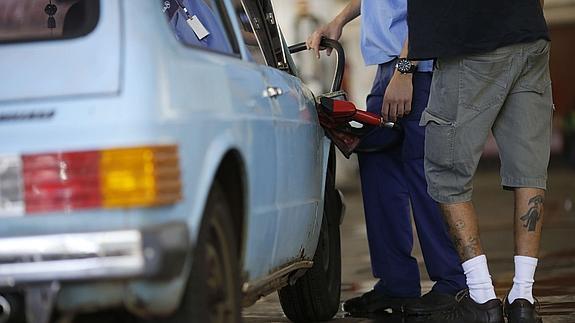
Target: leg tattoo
[
  {"x": 463, "y": 227},
  {"x": 465, "y": 242},
  {"x": 533, "y": 215}
]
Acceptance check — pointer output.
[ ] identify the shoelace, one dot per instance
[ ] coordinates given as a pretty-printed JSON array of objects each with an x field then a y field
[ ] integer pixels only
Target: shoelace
[
  {"x": 461, "y": 295},
  {"x": 536, "y": 303}
]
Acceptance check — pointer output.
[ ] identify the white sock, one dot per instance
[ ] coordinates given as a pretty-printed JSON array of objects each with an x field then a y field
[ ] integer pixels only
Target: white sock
[
  {"x": 478, "y": 279},
  {"x": 523, "y": 280}
]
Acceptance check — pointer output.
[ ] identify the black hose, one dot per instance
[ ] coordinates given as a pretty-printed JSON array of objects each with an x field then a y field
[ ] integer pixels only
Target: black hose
[{"x": 340, "y": 59}]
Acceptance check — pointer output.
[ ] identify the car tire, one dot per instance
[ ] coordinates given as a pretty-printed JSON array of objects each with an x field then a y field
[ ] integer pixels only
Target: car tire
[
  {"x": 213, "y": 290},
  {"x": 316, "y": 295}
]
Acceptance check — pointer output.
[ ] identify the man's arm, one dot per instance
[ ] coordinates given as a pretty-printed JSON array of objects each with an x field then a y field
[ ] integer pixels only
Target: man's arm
[
  {"x": 398, "y": 96},
  {"x": 334, "y": 29}
]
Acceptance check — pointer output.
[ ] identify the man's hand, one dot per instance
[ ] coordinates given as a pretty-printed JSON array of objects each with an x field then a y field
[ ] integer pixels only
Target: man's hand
[
  {"x": 332, "y": 30},
  {"x": 398, "y": 97}
]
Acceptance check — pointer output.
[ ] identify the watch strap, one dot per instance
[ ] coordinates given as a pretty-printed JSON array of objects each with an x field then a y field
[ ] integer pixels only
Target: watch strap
[{"x": 402, "y": 63}]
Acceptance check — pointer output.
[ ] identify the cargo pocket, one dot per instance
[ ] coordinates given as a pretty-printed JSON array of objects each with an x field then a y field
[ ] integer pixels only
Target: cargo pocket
[
  {"x": 484, "y": 81},
  {"x": 444, "y": 92},
  {"x": 439, "y": 140}
]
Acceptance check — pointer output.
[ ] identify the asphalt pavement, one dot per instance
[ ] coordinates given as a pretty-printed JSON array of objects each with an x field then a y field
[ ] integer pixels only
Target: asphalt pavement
[{"x": 555, "y": 277}]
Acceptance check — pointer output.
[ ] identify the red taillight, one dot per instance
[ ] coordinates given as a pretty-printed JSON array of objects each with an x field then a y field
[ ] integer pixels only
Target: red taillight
[
  {"x": 61, "y": 181},
  {"x": 111, "y": 178}
]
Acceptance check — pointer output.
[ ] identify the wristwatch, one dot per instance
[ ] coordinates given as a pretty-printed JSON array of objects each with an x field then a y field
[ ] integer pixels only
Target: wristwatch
[{"x": 405, "y": 66}]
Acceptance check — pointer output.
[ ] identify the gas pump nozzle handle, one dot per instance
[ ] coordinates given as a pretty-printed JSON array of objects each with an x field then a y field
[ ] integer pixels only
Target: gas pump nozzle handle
[
  {"x": 368, "y": 118},
  {"x": 345, "y": 111},
  {"x": 389, "y": 124},
  {"x": 373, "y": 120}
]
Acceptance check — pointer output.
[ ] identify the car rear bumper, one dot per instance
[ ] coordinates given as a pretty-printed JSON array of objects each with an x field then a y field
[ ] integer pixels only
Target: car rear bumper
[{"x": 157, "y": 252}]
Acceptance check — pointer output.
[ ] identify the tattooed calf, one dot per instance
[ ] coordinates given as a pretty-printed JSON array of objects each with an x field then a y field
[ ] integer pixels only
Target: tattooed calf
[{"x": 533, "y": 215}]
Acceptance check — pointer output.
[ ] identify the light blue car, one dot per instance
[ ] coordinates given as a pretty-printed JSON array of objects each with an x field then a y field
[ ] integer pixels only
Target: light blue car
[{"x": 160, "y": 157}]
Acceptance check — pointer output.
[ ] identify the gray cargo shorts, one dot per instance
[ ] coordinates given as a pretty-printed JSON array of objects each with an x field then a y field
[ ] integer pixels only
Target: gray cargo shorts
[{"x": 507, "y": 92}]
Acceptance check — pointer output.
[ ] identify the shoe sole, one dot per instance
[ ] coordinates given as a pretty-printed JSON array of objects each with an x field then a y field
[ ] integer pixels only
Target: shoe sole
[
  {"x": 538, "y": 320},
  {"x": 374, "y": 308},
  {"x": 428, "y": 313},
  {"x": 372, "y": 313}
]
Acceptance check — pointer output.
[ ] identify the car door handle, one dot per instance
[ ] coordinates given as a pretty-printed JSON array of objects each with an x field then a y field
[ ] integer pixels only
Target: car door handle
[{"x": 272, "y": 92}]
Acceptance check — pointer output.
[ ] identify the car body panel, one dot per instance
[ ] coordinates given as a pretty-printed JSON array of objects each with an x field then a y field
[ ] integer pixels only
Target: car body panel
[
  {"x": 299, "y": 152},
  {"x": 209, "y": 105},
  {"x": 48, "y": 69}
]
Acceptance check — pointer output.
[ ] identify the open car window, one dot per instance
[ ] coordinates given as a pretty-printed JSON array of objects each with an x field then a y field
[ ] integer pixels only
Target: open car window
[
  {"x": 31, "y": 20},
  {"x": 266, "y": 30},
  {"x": 248, "y": 27},
  {"x": 201, "y": 23}
]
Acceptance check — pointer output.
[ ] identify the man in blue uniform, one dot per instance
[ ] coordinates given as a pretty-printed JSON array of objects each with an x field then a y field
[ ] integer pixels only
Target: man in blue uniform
[
  {"x": 195, "y": 23},
  {"x": 393, "y": 181}
]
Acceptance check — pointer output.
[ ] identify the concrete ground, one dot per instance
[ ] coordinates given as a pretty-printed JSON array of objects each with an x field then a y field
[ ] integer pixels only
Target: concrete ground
[{"x": 555, "y": 278}]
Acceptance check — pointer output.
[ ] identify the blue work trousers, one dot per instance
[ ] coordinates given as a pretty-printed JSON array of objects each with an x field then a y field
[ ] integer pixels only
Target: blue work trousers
[{"x": 392, "y": 181}]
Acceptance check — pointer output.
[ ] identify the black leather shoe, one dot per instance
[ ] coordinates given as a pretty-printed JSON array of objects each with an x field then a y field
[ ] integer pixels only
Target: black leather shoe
[
  {"x": 373, "y": 302},
  {"x": 430, "y": 303},
  {"x": 521, "y": 311},
  {"x": 468, "y": 311}
]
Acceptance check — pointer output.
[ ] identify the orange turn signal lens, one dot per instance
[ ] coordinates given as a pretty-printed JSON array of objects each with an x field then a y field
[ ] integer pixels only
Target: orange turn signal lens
[{"x": 143, "y": 176}]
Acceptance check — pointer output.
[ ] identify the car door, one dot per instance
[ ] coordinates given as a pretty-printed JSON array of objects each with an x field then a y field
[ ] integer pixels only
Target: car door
[
  {"x": 299, "y": 144},
  {"x": 243, "y": 106},
  {"x": 299, "y": 160},
  {"x": 248, "y": 86}
]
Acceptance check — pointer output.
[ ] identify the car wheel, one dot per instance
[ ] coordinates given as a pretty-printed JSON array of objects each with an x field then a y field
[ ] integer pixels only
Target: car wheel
[
  {"x": 213, "y": 290},
  {"x": 315, "y": 296}
]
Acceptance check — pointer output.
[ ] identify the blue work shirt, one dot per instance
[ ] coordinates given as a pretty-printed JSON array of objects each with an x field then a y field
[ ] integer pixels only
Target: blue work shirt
[
  {"x": 384, "y": 31},
  {"x": 216, "y": 40}
]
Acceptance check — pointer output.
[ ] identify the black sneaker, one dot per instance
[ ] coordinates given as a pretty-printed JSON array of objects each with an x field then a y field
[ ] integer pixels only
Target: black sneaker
[
  {"x": 430, "y": 303},
  {"x": 468, "y": 311},
  {"x": 521, "y": 311},
  {"x": 373, "y": 302}
]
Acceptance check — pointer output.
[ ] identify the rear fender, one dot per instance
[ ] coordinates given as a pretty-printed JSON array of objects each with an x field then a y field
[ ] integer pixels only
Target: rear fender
[{"x": 160, "y": 298}]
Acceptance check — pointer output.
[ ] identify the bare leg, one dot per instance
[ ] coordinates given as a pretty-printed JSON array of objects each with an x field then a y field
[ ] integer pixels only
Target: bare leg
[
  {"x": 462, "y": 222},
  {"x": 528, "y": 221}
]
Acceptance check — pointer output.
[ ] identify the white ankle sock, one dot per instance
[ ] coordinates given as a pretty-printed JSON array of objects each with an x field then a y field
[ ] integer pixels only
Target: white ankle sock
[
  {"x": 478, "y": 279},
  {"x": 523, "y": 280}
]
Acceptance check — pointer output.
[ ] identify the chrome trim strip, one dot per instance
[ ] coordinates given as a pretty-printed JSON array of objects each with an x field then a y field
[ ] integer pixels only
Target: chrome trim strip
[
  {"x": 250, "y": 287},
  {"x": 70, "y": 256}
]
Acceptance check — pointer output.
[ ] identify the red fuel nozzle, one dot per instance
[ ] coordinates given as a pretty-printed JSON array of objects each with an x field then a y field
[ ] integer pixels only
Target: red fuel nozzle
[
  {"x": 335, "y": 116},
  {"x": 345, "y": 111}
]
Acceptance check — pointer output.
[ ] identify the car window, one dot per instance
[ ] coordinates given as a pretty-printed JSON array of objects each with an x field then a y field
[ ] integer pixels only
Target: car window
[
  {"x": 261, "y": 17},
  {"x": 29, "y": 20},
  {"x": 247, "y": 27},
  {"x": 201, "y": 23}
]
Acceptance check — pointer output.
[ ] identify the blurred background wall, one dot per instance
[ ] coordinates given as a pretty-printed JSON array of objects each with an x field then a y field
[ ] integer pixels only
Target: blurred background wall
[
  {"x": 299, "y": 18},
  {"x": 560, "y": 16}
]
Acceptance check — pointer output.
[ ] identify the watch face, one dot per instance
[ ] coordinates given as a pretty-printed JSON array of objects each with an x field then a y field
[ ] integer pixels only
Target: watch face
[{"x": 404, "y": 66}]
